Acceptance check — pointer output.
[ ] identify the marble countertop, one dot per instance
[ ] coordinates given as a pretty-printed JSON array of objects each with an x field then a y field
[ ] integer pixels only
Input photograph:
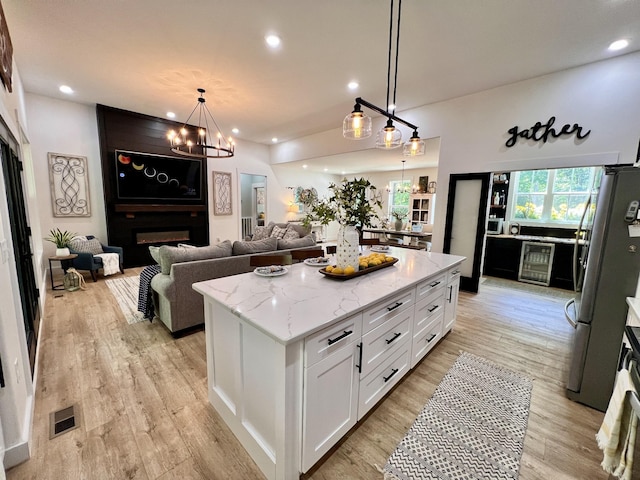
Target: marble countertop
[{"x": 291, "y": 306}]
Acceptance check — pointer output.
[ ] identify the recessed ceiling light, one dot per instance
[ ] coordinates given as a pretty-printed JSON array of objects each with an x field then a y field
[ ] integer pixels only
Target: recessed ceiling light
[
  {"x": 274, "y": 139},
  {"x": 353, "y": 85},
  {"x": 304, "y": 166},
  {"x": 235, "y": 131},
  {"x": 66, "y": 89},
  {"x": 272, "y": 40},
  {"x": 171, "y": 115},
  {"x": 326, "y": 169},
  {"x": 618, "y": 45},
  {"x": 344, "y": 173}
]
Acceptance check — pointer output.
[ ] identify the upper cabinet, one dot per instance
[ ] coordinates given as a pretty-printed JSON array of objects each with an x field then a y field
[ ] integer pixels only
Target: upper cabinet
[
  {"x": 422, "y": 207},
  {"x": 499, "y": 194}
]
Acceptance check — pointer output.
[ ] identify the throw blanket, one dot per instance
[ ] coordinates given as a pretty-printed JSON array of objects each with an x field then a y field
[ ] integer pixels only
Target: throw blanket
[
  {"x": 616, "y": 437},
  {"x": 145, "y": 300},
  {"x": 110, "y": 263}
]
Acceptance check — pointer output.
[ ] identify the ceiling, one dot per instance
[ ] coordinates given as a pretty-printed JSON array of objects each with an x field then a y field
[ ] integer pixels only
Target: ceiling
[{"x": 150, "y": 56}]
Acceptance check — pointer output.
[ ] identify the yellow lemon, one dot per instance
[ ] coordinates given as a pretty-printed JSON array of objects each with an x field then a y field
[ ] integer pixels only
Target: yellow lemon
[
  {"x": 337, "y": 270},
  {"x": 388, "y": 259},
  {"x": 329, "y": 268},
  {"x": 349, "y": 270}
]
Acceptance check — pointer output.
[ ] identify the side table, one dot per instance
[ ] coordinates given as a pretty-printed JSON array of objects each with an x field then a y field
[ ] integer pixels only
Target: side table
[{"x": 59, "y": 259}]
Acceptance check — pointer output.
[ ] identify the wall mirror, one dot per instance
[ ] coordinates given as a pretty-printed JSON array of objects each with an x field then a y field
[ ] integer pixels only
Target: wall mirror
[{"x": 253, "y": 202}]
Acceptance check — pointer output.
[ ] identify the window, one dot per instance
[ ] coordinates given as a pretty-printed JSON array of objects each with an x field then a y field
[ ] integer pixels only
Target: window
[
  {"x": 552, "y": 196},
  {"x": 399, "y": 197}
]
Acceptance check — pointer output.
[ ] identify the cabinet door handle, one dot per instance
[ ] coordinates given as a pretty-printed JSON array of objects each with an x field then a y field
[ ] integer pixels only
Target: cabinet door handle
[
  {"x": 393, "y": 372},
  {"x": 450, "y": 293},
  {"x": 432, "y": 308},
  {"x": 433, "y": 335},
  {"x": 359, "y": 366},
  {"x": 2, "y": 384},
  {"x": 395, "y": 306},
  {"x": 397, "y": 334},
  {"x": 455, "y": 272},
  {"x": 337, "y": 339},
  {"x": 434, "y": 284}
]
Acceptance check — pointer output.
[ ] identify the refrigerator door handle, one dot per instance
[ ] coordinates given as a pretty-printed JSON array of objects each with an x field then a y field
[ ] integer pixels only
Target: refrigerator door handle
[{"x": 570, "y": 319}]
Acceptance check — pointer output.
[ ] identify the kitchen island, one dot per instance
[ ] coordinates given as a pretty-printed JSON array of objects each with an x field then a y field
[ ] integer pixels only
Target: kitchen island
[{"x": 295, "y": 361}]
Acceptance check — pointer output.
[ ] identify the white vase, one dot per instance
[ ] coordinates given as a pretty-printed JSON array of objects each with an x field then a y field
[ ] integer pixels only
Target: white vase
[
  {"x": 62, "y": 252},
  {"x": 347, "y": 247}
]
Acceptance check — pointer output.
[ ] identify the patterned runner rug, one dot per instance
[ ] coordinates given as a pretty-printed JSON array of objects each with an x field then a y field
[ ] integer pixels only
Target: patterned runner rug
[
  {"x": 473, "y": 426},
  {"x": 125, "y": 291}
]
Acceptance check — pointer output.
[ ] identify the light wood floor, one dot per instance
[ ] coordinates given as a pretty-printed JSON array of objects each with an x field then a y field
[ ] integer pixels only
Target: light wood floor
[{"x": 145, "y": 413}]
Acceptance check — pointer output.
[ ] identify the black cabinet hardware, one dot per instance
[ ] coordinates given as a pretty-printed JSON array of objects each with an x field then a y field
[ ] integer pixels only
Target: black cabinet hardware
[
  {"x": 397, "y": 334},
  {"x": 337, "y": 339},
  {"x": 432, "y": 308},
  {"x": 393, "y": 372},
  {"x": 1, "y": 375},
  {"x": 359, "y": 366},
  {"x": 434, "y": 284},
  {"x": 450, "y": 293},
  {"x": 395, "y": 306},
  {"x": 434, "y": 335}
]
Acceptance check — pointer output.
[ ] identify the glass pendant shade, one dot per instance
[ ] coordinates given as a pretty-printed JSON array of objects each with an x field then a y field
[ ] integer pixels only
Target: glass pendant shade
[
  {"x": 356, "y": 125},
  {"x": 415, "y": 146},
  {"x": 389, "y": 137}
]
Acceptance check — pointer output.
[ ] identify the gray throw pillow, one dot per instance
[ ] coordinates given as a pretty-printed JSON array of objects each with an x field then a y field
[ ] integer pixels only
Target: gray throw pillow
[
  {"x": 278, "y": 232},
  {"x": 257, "y": 246},
  {"x": 91, "y": 246},
  {"x": 170, "y": 255},
  {"x": 305, "y": 241},
  {"x": 260, "y": 233},
  {"x": 155, "y": 253},
  {"x": 291, "y": 234}
]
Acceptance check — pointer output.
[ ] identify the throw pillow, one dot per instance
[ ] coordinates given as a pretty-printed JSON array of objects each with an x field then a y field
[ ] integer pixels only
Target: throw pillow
[
  {"x": 91, "y": 246},
  {"x": 278, "y": 232},
  {"x": 256, "y": 246},
  {"x": 260, "y": 233},
  {"x": 155, "y": 254},
  {"x": 305, "y": 241},
  {"x": 170, "y": 255},
  {"x": 291, "y": 234}
]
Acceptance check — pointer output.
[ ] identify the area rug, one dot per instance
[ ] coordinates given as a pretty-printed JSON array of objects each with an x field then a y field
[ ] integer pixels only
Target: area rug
[
  {"x": 473, "y": 426},
  {"x": 125, "y": 291}
]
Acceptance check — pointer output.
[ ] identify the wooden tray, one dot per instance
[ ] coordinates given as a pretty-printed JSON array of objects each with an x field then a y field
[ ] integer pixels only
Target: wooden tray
[{"x": 341, "y": 276}]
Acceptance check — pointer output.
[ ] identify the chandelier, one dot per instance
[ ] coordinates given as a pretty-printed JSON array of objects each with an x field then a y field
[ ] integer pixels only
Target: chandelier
[
  {"x": 206, "y": 141},
  {"x": 357, "y": 124}
]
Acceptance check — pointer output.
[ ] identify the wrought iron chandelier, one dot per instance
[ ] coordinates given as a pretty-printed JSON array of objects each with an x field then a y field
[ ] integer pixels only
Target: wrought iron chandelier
[
  {"x": 206, "y": 141},
  {"x": 357, "y": 125}
]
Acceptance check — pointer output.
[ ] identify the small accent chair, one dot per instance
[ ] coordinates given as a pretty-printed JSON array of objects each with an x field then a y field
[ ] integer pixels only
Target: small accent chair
[
  {"x": 267, "y": 260},
  {"x": 86, "y": 259},
  {"x": 301, "y": 255}
]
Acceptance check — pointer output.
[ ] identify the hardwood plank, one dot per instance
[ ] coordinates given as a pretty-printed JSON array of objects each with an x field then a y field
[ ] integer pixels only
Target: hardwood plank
[{"x": 145, "y": 412}]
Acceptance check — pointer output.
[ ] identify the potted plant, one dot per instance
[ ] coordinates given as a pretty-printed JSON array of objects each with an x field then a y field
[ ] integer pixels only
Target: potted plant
[
  {"x": 61, "y": 240},
  {"x": 352, "y": 204},
  {"x": 399, "y": 216}
]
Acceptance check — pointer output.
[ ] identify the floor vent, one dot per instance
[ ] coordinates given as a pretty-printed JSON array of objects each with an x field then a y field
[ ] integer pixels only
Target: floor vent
[{"x": 63, "y": 421}]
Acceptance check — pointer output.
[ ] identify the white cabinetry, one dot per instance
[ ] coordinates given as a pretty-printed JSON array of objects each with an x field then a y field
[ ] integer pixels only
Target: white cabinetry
[
  {"x": 428, "y": 317},
  {"x": 331, "y": 387},
  {"x": 422, "y": 208},
  {"x": 451, "y": 305}
]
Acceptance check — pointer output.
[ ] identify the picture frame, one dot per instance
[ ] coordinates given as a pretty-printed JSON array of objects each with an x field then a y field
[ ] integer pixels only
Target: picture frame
[
  {"x": 222, "y": 193},
  {"x": 69, "y": 185},
  {"x": 423, "y": 184}
]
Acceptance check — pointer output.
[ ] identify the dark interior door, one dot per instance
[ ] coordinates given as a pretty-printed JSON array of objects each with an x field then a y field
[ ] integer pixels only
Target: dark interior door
[
  {"x": 21, "y": 233},
  {"x": 465, "y": 224}
]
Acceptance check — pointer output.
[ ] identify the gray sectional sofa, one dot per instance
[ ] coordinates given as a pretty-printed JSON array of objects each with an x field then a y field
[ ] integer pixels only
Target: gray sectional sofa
[{"x": 176, "y": 304}]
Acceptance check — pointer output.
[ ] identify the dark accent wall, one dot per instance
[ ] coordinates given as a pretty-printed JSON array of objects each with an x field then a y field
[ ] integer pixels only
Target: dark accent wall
[{"x": 124, "y": 130}]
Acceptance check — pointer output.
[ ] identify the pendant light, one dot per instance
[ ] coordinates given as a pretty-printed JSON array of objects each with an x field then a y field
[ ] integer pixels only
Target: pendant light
[
  {"x": 203, "y": 142},
  {"x": 357, "y": 125}
]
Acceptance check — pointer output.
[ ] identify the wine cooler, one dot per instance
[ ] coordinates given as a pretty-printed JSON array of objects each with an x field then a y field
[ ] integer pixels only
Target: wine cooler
[{"x": 536, "y": 260}]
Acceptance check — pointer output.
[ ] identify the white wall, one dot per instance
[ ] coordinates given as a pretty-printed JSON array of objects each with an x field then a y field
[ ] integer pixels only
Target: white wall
[{"x": 603, "y": 97}]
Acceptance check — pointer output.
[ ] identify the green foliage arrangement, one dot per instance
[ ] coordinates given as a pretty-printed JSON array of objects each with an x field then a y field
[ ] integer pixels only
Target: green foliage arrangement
[
  {"x": 351, "y": 202},
  {"x": 399, "y": 214},
  {"x": 59, "y": 238}
]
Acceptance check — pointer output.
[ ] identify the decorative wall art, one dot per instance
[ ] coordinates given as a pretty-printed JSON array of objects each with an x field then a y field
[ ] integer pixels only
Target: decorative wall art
[
  {"x": 6, "y": 53},
  {"x": 423, "y": 184},
  {"x": 222, "y": 193},
  {"x": 69, "y": 185}
]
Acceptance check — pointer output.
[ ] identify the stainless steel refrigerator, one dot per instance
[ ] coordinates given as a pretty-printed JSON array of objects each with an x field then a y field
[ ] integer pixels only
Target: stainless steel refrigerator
[{"x": 606, "y": 269}]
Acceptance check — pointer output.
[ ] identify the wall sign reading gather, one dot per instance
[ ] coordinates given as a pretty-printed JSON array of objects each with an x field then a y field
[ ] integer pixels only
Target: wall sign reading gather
[{"x": 540, "y": 132}]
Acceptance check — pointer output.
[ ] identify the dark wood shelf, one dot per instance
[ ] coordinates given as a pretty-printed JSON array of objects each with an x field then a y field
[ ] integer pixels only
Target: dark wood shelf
[{"x": 139, "y": 208}]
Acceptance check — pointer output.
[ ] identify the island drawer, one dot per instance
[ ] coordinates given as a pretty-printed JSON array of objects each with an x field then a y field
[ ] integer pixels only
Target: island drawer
[
  {"x": 385, "y": 311},
  {"x": 431, "y": 285},
  {"x": 323, "y": 343},
  {"x": 378, "y": 344},
  {"x": 425, "y": 339},
  {"x": 376, "y": 385},
  {"x": 428, "y": 308}
]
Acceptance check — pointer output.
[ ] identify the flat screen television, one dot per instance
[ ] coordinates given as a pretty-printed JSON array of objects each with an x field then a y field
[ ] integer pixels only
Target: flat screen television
[{"x": 149, "y": 177}]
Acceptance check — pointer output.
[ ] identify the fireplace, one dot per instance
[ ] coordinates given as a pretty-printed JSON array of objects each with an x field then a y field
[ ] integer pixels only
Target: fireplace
[{"x": 168, "y": 236}]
